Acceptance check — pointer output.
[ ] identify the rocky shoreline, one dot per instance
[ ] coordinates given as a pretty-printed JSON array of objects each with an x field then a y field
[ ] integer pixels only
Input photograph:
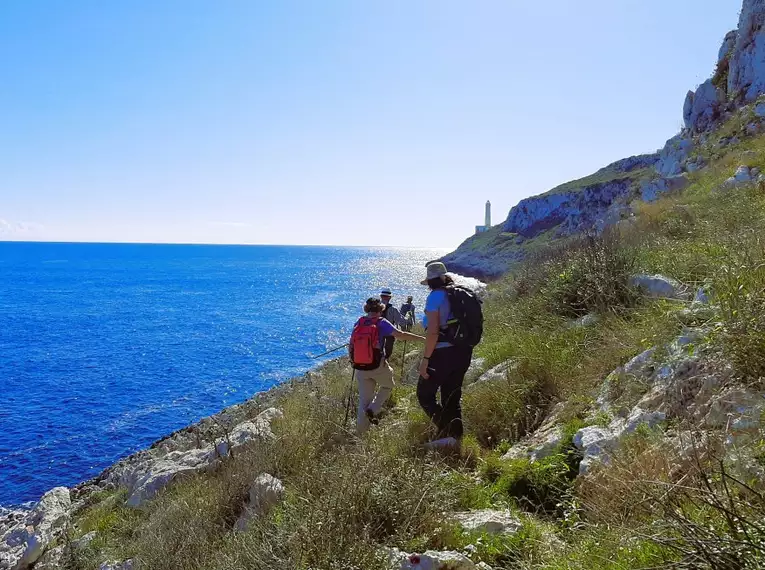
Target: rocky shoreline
[{"x": 25, "y": 534}]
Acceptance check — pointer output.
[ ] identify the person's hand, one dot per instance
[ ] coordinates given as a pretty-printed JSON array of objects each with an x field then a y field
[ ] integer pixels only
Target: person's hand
[{"x": 424, "y": 369}]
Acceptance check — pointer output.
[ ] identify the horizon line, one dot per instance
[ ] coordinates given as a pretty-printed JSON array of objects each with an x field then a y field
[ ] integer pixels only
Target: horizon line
[{"x": 87, "y": 242}]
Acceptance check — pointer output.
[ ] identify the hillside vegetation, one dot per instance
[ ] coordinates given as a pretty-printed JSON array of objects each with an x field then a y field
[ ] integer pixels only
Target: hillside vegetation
[{"x": 647, "y": 503}]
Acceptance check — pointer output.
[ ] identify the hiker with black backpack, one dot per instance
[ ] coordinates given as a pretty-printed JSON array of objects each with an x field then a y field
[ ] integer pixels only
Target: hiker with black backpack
[
  {"x": 366, "y": 352},
  {"x": 454, "y": 324}
]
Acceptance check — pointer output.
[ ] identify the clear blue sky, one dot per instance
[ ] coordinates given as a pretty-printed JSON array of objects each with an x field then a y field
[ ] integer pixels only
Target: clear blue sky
[{"x": 333, "y": 122}]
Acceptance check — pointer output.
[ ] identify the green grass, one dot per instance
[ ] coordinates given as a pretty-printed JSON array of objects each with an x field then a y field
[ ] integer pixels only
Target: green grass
[
  {"x": 348, "y": 497},
  {"x": 603, "y": 176}
]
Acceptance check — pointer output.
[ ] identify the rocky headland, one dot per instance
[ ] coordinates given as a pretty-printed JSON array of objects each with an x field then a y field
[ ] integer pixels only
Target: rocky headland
[{"x": 610, "y": 195}]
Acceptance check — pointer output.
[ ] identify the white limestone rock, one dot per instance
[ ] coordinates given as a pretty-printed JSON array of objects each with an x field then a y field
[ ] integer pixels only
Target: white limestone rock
[
  {"x": 746, "y": 72},
  {"x": 597, "y": 443},
  {"x": 474, "y": 371},
  {"x": 498, "y": 372},
  {"x": 742, "y": 174},
  {"x": 586, "y": 321},
  {"x": 702, "y": 296},
  {"x": 726, "y": 49},
  {"x": 149, "y": 473},
  {"x": 737, "y": 412},
  {"x": 265, "y": 492},
  {"x": 24, "y": 541},
  {"x": 543, "y": 442},
  {"x": 651, "y": 190},
  {"x": 674, "y": 155},
  {"x": 259, "y": 428},
  {"x": 433, "y": 560},
  {"x": 490, "y": 521},
  {"x": 114, "y": 565},
  {"x": 702, "y": 108},
  {"x": 659, "y": 287}
]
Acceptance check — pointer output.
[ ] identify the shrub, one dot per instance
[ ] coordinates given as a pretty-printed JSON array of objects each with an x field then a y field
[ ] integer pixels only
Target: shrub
[
  {"x": 508, "y": 409},
  {"x": 595, "y": 277},
  {"x": 739, "y": 288},
  {"x": 542, "y": 487}
]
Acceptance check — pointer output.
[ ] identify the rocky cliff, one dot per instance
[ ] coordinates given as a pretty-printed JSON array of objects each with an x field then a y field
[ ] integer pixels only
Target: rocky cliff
[{"x": 608, "y": 196}]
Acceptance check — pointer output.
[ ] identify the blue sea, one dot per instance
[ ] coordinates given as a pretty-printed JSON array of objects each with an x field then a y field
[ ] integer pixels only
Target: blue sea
[{"x": 104, "y": 348}]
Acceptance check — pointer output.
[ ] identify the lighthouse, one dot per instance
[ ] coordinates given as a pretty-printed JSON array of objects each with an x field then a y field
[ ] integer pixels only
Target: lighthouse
[{"x": 486, "y": 221}]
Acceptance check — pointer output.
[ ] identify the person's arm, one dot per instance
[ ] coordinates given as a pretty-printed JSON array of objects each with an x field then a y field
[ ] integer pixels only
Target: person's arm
[
  {"x": 431, "y": 340},
  {"x": 402, "y": 335}
]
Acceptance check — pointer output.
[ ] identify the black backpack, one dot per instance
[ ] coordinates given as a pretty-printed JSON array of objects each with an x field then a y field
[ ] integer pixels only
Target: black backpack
[{"x": 465, "y": 328}]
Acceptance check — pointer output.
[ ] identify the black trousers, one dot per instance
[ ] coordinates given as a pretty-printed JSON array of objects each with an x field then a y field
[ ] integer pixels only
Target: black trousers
[{"x": 446, "y": 367}]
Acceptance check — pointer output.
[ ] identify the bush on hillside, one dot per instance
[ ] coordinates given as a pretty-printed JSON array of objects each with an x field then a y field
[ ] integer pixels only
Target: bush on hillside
[
  {"x": 508, "y": 409},
  {"x": 739, "y": 288},
  {"x": 594, "y": 278}
]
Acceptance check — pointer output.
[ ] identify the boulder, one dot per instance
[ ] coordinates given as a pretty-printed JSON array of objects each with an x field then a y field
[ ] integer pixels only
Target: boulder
[
  {"x": 25, "y": 540},
  {"x": 586, "y": 321},
  {"x": 265, "y": 492},
  {"x": 259, "y": 428},
  {"x": 597, "y": 443},
  {"x": 433, "y": 560},
  {"x": 474, "y": 371},
  {"x": 659, "y": 287},
  {"x": 498, "y": 372},
  {"x": 743, "y": 175},
  {"x": 759, "y": 110},
  {"x": 490, "y": 521}
]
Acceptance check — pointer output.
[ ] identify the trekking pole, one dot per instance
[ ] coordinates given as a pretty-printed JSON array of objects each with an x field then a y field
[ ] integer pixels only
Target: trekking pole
[
  {"x": 350, "y": 397},
  {"x": 403, "y": 359},
  {"x": 330, "y": 351}
]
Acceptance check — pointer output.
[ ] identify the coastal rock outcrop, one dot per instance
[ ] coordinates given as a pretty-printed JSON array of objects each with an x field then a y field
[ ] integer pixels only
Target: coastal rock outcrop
[
  {"x": 603, "y": 199},
  {"x": 23, "y": 539},
  {"x": 145, "y": 474}
]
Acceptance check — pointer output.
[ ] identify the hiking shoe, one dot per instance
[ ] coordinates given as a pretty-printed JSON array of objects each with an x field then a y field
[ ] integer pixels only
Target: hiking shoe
[
  {"x": 443, "y": 443},
  {"x": 374, "y": 420}
]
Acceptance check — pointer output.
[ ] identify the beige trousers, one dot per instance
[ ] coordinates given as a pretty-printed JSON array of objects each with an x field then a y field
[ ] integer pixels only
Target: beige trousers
[{"x": 375, "y": 387}]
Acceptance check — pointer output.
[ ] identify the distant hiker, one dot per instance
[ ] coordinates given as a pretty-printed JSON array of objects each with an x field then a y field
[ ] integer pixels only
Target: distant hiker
[
  {"x": 407, "y": 312},
  {"x": 454, "y": 324},
  {"x": 393, "y": 316},
  {"x": 373, "y": 373}
]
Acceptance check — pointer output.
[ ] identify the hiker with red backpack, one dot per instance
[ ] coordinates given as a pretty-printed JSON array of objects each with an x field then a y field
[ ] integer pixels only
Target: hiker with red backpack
[
  {"x": 366, "y": 351},
  {"x": 454, "y": 324}
]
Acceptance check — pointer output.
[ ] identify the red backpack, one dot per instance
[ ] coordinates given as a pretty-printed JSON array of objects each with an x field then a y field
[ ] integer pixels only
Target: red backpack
[{"x": 365, "y": 344}]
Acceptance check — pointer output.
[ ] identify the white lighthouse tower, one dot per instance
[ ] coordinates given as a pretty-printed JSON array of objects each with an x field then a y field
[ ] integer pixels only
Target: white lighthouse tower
[{"x": 486, "y": 221}]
